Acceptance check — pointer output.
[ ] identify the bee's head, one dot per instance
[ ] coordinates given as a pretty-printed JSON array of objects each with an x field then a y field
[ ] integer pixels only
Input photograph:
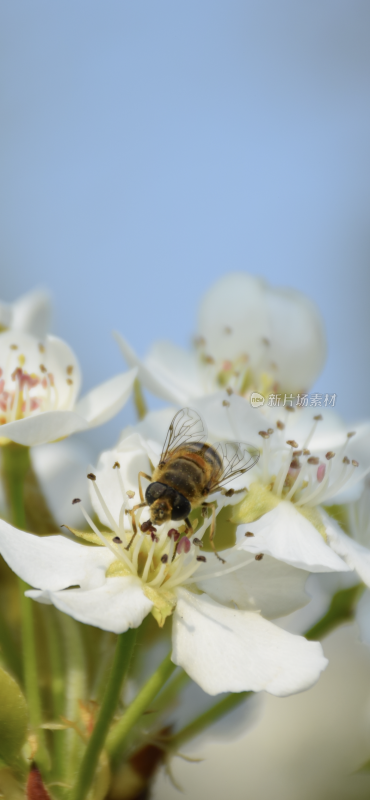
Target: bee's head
[{"x": 160, "y": 511}]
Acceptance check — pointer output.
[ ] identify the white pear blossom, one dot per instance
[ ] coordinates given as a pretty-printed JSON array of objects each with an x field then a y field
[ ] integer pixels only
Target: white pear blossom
[
  {"x": 222, "y": 634},
  {"x": 251, "y": 337},
  {"x": 40, "y": 381},
  {"x": 31, "y": 313},
  {"x": 308, "y": 461}
]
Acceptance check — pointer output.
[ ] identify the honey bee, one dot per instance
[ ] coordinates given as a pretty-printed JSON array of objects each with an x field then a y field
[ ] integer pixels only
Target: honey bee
[{"x": 189, "y": 470}]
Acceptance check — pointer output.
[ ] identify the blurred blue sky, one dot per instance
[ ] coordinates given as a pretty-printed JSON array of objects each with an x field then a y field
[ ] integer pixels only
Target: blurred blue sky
[{"x": 149, "y": 147}]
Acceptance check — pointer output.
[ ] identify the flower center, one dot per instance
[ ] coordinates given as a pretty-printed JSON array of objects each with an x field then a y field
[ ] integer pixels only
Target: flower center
[
  {"x": 297, "y": 475},
  {"x": 237, "y": 374},
  {"x": 24, "y": 393},
  {"x": 162, "y": 557}
]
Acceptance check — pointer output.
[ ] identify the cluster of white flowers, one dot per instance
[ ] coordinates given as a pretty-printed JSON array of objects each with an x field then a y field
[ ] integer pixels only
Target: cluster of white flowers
[{"x": 250, "y": 338}]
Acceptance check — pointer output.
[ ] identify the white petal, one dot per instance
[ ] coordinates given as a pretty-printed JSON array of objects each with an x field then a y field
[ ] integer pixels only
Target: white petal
[
  {"x": 158, "y": 385},
  {"x": 175, "y": 368},
  {"x": 227, "y": 650},
  {"x": 52, "y": 562},
  {"x": 60, "y": 359},
  {"x": 269, "y": 586},
  {"x": 287, "y": 535},
  {"x": 102, "y": 403},
  {"x": 297, "y": 338},
  {"x": 61, "y": 471},
  {"x": 31, "y": 313},
  {"x": 47, "y": 426},
  {"x": 236, "y": 303},
  {"x": 354, "y": 554},
  {"x": 117, "y": 605},
  {"x": 153, "y": 429},
  {"x": 133, "y": 458}
]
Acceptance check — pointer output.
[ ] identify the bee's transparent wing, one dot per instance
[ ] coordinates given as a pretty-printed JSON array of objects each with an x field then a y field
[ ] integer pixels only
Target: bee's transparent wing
[
  {"x": 185, "y": 427},
  {"x": 237, "y": 458}
]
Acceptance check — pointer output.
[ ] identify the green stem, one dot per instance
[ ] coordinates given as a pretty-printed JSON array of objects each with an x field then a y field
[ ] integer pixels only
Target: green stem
[
  {"x": 57, "y": 687},
  {"x": 16, "y": 463},
  {"x": 122, "y": 657},
  {"x": 75, "y": 690},
  {"x": 171, "y": 692},
  {"x": 118, "y": 735},
  {"x": 342, "y": 609},
  {"x": 139, "y": 400},
  {"x": 202, "y": 722}
]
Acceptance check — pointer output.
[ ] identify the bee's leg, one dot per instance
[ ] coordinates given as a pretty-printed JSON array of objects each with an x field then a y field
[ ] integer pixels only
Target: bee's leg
[
  {"x": 213, "y": 528},
  {"x": 142, "y": 475},
  {"x": 133, "y": 520}
]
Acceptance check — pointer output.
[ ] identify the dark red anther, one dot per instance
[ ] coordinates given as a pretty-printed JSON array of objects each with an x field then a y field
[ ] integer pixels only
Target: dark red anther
[
  {"x": 146, "y": 526},
  {"x": 153, "y": 536},
  {"x": 173, "y": 533}
]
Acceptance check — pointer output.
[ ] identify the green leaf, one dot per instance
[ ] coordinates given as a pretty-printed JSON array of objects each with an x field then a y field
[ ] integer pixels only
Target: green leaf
[{"x": 13, "y": 718}]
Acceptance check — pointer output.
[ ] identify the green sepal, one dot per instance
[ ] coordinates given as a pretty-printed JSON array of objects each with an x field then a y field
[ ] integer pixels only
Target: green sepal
[{"x": 13, "y": 718}]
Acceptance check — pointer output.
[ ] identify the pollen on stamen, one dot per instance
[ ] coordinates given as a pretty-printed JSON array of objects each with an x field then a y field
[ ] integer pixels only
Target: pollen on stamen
[
  {"x": 154, "y": 536},
  {"x": 69, "y": 369},
  {"x": 201, "y": 558},
  {"x": 355, "y": 463},
  {"x": 130, "y": 493},
  {"x": 14, "y": 347},
  {"x": 229, "y": 391},
  {"x": 173, "y": 533},
  {"x": 280, "y": 425},
  {"x": 313, "y": 460},
  {"x": 292, "y": 443},
  {"x": 297, "y": 453},
  {"x": 346, "y": 460},
  {"x": 318, "y": 417},
  {"x": 306, "y": 452},
  {"x": 91, "y": 476},
  {"x": 249, "y": 533},
  {"x": 258, "y": 557},
  {"x": 76, "y": 500},
  {"x": 42, "y": 368},
  {"x": 69, "y": 381},
  {"x": 352, "y": 433},
  {"x": 164, "y": 558},
  {"x": 330, "y": 455},
  {"x": 225, "y": 403},
  {"x": 197, "y": 542},
  {"x": 116, "y": 465},
  {"x": 117, "y": 540},
  {"x": 264, "y": 434},
  {"x": 270, "y": 431}
]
